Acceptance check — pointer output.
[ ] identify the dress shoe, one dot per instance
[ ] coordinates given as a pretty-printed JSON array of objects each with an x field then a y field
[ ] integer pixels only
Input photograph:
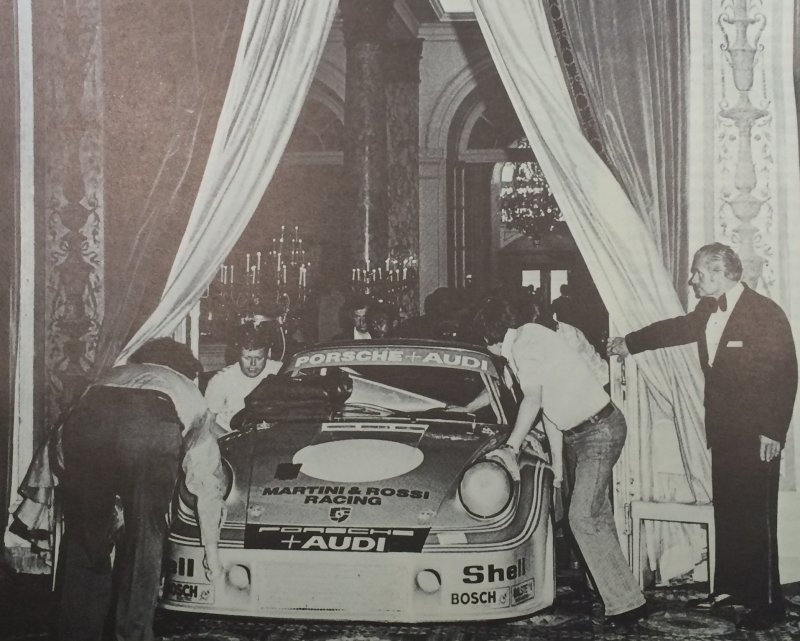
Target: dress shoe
[
  {"x": 710, "y": 602},
  {"x": 762, "y": 618},
  {"x": 625, "y": 619}
]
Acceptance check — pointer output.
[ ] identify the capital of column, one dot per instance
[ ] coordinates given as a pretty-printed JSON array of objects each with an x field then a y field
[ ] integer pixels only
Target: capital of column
[
  {"x": 401, "y": 60},
  {"x": 365, "y": 20}
]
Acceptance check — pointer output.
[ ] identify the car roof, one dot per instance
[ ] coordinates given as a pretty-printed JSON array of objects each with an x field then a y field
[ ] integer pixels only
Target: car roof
[{"x": 400, "y": 342}]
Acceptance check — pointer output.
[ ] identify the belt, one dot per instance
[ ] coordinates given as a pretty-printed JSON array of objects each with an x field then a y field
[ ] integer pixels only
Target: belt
[{"x": 592, "y": 421}]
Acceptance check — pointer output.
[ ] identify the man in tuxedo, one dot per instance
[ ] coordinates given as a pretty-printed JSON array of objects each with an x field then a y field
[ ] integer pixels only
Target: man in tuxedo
[{"x": 750, "y": 366}]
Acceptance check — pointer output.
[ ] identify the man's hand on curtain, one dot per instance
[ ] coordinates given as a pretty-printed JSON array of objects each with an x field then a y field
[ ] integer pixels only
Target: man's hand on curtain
[
  {"x": 769, "y": 448},
  {"x": 616, "y": 346}
]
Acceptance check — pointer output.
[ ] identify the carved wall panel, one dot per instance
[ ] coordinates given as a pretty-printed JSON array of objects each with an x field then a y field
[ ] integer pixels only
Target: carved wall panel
[{"x": 72, "y": 144}]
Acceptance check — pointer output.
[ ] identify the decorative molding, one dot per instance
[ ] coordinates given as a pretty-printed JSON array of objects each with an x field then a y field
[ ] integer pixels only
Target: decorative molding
[
  {"x": 406, "y": 16},
  {"x": 462, "y": 15},
  {"x": 73, "y": 189},
  {"x": 452, "y": 95},
  {"x": 450, "y": 32},
  {"x": 746, "y": 173}
]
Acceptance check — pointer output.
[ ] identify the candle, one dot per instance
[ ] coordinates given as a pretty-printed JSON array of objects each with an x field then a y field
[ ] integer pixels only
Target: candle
[
  {"x": 231, "y": 274},
  {"x": 284, "y": 273},
  {"x": 258, "y": 258},
  {"x": 353, "y": 277},
  {"x": 248, "y": 262}
]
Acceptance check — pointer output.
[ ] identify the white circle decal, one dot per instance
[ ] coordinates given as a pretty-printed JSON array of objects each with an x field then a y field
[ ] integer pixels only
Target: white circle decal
[{"x": 357, "y": 460}]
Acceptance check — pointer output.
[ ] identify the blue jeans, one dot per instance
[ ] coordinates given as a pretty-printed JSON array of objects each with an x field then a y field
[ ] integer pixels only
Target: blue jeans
[{"x": 590, "y": 457}]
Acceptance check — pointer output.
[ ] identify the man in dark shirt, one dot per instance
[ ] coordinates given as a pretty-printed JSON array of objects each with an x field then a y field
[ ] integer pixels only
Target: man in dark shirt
[{"x": 125, "y": 437}]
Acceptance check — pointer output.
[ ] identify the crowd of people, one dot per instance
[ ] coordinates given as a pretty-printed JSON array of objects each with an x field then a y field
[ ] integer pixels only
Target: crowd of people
[{"x": 151, "y": 419}]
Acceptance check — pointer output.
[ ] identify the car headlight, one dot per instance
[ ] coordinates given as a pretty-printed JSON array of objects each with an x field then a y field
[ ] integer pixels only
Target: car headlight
[
  {"x": 485, "y": 489},
  {"x": 190, "y": 500}
]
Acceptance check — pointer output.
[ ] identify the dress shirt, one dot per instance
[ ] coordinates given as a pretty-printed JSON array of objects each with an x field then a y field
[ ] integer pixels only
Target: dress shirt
[
  {"x": 717, "y": 321},
  {"x": 576, "y": 339},
  {"x": 227, "y": 389},
  {"x": 541, "y": 358},
  {"x": 361, "y": 336}
]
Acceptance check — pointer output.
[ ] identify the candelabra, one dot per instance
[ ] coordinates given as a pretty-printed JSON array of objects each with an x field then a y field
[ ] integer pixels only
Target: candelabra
[
  {"x": 268, "y": 285},
  {"x": 392, "y": 282}
]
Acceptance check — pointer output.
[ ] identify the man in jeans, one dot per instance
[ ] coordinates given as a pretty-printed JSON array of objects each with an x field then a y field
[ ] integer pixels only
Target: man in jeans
[{"x": 578, "y": 415}]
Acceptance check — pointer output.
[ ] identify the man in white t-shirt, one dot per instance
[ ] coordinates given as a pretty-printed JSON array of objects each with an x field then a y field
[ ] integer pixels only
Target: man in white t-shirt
[
  {"x": 576, "y": 412},
  {"x": 228, "y": 388}
]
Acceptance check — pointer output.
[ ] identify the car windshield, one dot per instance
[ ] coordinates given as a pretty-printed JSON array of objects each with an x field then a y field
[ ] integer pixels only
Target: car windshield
[{"x": 410, "y": 380}]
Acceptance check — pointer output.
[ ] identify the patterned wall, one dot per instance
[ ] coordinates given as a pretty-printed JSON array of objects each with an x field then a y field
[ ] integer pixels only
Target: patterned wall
[{"x": 72, "y": 143}]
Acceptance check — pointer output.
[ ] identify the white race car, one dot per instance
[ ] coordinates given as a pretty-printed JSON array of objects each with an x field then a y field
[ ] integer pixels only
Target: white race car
[{"x": 360, "y": 490}]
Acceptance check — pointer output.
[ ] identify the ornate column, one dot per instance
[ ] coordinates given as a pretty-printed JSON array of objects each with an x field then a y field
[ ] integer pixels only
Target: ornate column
[
  {"x": 365, "y": 153},
  {"x": 402, "y": 104},
  {"x": 71, "y": 142},
  {"x": 741, "y": 27}
]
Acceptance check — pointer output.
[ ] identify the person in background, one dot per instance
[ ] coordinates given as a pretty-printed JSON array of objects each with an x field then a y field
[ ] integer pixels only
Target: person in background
[
  {"x": 564, "y": 306},
  {"x": 125, "y": 437},
  {"x": 441, "y": 319},
  {"x": 356, "y": 321},
  {"x": 228, "y": 388},
  {"x": 747, "y": 354},
  {"x": 580, "y": 419},
  {"x": 381, "y": 320}
]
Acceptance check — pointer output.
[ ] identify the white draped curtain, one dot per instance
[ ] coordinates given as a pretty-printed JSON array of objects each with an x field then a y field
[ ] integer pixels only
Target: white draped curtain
[
  {"x": 281, "y": 45},
  {"x": 617, "y": 246},
  {"x": 279, "y": 50}
]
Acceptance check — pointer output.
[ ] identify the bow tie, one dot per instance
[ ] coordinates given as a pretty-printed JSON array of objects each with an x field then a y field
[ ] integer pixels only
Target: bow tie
[{"x": 720, "y": 304}]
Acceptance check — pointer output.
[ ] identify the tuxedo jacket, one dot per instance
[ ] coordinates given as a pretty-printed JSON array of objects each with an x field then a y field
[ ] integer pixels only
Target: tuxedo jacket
[{"x": 751, "y": 387}]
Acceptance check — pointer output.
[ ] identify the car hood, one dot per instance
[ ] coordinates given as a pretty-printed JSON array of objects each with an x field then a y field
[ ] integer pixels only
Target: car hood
[{"x": 357, "y": 473}]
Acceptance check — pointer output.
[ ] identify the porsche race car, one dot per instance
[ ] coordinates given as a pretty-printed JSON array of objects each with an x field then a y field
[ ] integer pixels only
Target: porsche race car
[{"x": 360, "y": 490}]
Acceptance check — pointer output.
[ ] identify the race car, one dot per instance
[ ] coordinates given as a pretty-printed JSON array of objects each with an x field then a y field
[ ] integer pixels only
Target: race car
[{"x": 360, "y": 489}]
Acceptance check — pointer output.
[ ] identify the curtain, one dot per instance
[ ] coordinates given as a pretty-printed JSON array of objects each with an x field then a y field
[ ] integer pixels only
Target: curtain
[
  {"x": 632, "y": 61},
  {"x": 159, "y": 124},
  {"x": 281, "y": 44},
  {"x": 615, "y": 242}
]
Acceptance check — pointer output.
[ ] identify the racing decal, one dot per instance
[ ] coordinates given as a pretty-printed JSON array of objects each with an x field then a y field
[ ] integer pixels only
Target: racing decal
[
  {"x": 339, "y": 514},
  {"x": 334, "y": 539},
  {"x": 179, "y": 567},
  {"x": 188, "y": 592},
  {"x": 492, "y": 574},
  {"x": 522, "y": 592},
  {"x": 497, "y": 598},
  {"x": 426, "y": 357},
  {"x": 344, "y": 495}
]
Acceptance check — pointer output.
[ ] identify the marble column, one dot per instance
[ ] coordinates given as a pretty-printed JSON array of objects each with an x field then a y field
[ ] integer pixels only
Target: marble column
[
  {"x": 365, "y": 153},
  {"x": 401, "y": 62}
]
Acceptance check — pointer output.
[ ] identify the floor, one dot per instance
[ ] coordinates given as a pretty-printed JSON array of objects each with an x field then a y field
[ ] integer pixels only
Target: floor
[{"x": 25, "y": 603}]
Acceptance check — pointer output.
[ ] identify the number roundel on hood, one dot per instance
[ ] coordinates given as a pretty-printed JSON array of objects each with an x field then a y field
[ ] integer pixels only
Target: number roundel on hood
[{"x": 358, "y": 460}]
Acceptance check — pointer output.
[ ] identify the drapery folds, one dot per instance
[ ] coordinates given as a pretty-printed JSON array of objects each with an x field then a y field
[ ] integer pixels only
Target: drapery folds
[
  {"x": 634, "y": 58},
  {"x": 279, "y": 49},
  {"x": 616, "y": 244},
  {"x": 281, "y": 44}
]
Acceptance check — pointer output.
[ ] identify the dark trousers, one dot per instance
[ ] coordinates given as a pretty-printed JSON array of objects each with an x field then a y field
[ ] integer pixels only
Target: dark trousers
[
  {"x": 746, "y": 519},
  {"x": 117, "y": 442}
]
